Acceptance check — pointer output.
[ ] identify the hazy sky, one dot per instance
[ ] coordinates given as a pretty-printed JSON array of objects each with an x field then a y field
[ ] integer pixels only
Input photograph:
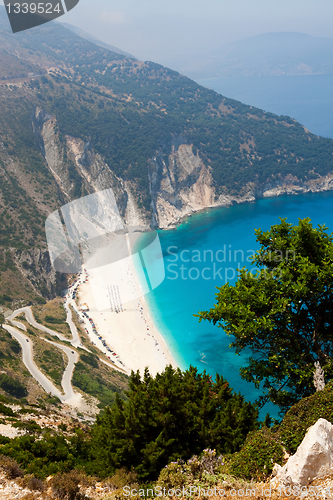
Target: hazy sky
[{"x": 169, "y": 31}]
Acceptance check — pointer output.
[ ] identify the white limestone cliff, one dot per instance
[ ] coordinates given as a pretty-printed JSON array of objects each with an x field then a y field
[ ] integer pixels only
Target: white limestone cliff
[{"x": 313, "y": 458}]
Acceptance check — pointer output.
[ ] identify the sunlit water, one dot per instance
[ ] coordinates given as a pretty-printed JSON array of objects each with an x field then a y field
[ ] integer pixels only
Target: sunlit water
[{"x": 202, "y": 254}]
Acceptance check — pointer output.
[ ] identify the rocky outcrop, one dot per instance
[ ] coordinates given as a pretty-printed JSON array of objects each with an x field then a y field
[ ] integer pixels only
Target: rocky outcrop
[
  {"x": 35, "y": 266},
  {"x": 313, "y": 458},
  {"x": 44, "y": 128},
  {"x": 181, "y": 183}
]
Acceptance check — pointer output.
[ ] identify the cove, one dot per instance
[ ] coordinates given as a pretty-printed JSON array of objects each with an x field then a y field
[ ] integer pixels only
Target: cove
[{"x": 202, "y": 253}]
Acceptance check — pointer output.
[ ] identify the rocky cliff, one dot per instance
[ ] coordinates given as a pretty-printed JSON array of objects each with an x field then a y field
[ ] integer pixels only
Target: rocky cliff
[
  {"x": 94, "y": 120},
  {"x": 180, "y": 182}
]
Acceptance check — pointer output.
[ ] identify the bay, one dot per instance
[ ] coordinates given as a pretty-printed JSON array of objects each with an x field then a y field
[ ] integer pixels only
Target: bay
[{"x": 203, "y": 253}]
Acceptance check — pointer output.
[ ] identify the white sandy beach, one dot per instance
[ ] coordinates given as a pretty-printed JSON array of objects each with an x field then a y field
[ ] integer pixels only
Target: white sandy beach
[{"x": 121, "y": 316}]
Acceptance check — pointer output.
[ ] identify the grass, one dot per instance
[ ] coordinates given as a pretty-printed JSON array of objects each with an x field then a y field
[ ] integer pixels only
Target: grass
[
  {"x": 96, "y": 379},
  {"x": 50, "y": 360},
  {"x": 53, "y": 315}
]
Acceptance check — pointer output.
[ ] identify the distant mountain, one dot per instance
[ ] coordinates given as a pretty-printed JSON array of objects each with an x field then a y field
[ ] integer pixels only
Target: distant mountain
[
  {"x": 96, "y": 41},
  {"x": 270, "y": 54}
]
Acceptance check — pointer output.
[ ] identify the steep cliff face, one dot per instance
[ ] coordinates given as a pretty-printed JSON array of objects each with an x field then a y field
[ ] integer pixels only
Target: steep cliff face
[
  {"x": 36, "y": 268},
  {"x": 180, "y": 181},
  {"x": 180, "y": 184},
  {"x": 74, "y": 164}
]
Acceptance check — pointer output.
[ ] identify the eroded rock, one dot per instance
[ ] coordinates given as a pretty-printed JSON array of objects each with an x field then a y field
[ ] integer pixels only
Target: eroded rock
[{"x": 313, "y": 458}]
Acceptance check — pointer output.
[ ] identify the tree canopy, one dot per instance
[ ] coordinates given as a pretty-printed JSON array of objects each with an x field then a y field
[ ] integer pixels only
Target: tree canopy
[
  {"x": 174, "y": 415},
  {"x": 283, "y": 312}
]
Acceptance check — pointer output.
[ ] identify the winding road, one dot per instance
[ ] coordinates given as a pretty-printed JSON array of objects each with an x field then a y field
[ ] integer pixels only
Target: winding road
[
  {"x": 17, "y": 329},
  {"x": 69, "y": 396},
  {"x": 27, "y": 357}
]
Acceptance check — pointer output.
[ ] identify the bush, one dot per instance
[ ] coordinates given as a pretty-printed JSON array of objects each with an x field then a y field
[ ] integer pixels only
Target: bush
[
  {"x": 256, "y": 458},
  {"x": 14, "y": 346},
  {"x": 172, "y": 416},
  {"x": 123, "y": 478},
  {"x": 31, "y": 426},
  {"x": 66, "y": 486},
  {"x": 10, "y": 467},
  {"x": 90, "y": 358},
  {"x": 203, "y": 469},
  {"x": 53, "y": 320},
  {"x": 33, "y": 483},
  {"x": 303, "y": 415},
  {"x": 14, "y": 387},
  {"x": 5, "y": 410}
]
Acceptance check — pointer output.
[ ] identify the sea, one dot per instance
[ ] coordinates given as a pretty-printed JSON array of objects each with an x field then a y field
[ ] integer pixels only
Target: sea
[{"x": 205, "y": 251}]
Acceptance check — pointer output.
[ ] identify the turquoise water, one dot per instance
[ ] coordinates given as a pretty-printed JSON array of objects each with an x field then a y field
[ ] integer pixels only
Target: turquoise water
[{"x": 217, "y": 242}]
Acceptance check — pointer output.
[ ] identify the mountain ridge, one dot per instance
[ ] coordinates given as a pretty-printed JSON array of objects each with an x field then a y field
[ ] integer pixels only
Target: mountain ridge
[
  {"x": 267, "y": 54},
  {"x": 76, "y": 118}
]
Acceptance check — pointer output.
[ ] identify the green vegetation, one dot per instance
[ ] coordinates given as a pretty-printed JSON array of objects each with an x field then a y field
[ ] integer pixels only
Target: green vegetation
[
  {"x": 50, "y": 360},
  {"x": 261, "y": 450},
  {"x": 144, "y": 433},
  {"x": 96, "y": 379},
  {"x": 11, "y": 363},
  {"x": 304, "y": 414},
  {"x": 203, "y": 470},
  {"x": 49, "y": 455},
  {"x": 284, "y": 313},
  {"x": 13, "y": 387},
  {"x": 129, "y": 112},
  {"x": 53, "y": 315},
  {"x": 6, "y": 410}
]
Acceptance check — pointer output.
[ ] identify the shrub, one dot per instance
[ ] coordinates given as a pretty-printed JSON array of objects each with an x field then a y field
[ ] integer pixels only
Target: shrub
[
  {"x": 14, "y": 346},
  {"x": 145, "y": 432},
  {"x": 256, "y": 458},
  {"x": 303, "y": 415},
  {"x": 122, "y": 478},
  {"x": 53, "y": 320},
  {"x": 13, "y": 387},
  {"x": 204, "y": 468},
  {"x": 66, "y": 486},
  {"x": 33, "y": 483},
  {"x": 10, "y": 467},
  {"x": 5, "y": 410},
  {"x": 90, "y": 358},
  {"x": 31, "y": 426}
]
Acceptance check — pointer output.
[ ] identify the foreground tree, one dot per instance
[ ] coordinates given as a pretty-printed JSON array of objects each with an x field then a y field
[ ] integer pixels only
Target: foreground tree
[
  {"x": 283, "y": 312},
  {"x": 174, "y": 415}
]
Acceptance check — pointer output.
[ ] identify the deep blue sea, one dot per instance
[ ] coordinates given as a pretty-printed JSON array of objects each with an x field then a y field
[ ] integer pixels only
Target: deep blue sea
[{"x": 205, "y": 251}]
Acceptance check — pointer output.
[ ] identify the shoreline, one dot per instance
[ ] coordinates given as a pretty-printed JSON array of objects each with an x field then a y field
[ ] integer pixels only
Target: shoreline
[
  {"x": 275, "y": 192},
  {"x": 121, "y": 316},
  {"x": 150, "y": 320}
]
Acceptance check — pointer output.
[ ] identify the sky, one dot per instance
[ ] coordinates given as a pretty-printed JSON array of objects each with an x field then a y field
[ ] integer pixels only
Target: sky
[{"x": 170, "y": 31}]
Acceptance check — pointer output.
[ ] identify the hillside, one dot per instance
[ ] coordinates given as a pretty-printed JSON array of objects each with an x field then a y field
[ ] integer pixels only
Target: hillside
[
  {"x": 48, "y": 453},
  {"x": 76, "y": 118}
]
